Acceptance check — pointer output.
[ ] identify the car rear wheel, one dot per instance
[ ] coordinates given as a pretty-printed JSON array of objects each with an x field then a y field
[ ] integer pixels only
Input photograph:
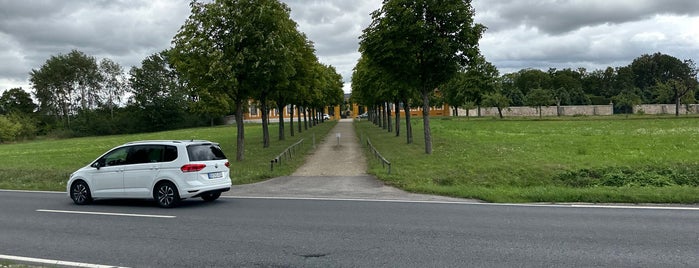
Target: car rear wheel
[
  {"x": 166, "y": 195},
  {"x": 208, "y": 197},
  {"x": 80, "y": 193}
]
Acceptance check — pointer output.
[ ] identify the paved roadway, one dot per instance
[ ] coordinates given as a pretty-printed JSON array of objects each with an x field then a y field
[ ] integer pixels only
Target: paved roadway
[{"x": 257, "y": 232}]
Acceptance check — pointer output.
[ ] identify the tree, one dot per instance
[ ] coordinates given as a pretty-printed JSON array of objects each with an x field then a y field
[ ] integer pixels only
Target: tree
[
  {"x": 227, "y": 48},
  {"x": 423, "y": 42},
  {"x": 660, "y": 70},
  {"x": 496, "y": 99},
  {"x": 66, "y": 84},
  {"x": 16, "y": 100},
  {"x": 113, "y": 84},
  {"x": 9, "y": 130},
  {"x": 627, "y": 99},
  {"x": 158, "y": 92},
  {"x": 454, "y": 92},
  {"x": 537, "y": 98}
]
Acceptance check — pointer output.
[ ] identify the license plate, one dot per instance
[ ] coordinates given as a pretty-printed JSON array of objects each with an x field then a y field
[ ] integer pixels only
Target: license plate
[{"x": 215, "y": 175}]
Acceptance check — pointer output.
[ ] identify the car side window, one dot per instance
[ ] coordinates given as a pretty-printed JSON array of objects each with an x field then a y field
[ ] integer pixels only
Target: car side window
[
  {"x": 114, "y": 158},
  {"x": 170, "y": 154}
]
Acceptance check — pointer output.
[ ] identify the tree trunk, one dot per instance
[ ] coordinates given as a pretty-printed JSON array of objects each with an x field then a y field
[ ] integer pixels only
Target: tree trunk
[
  {"x": 456, "y": 111},
  {"x": 265, "y": 124},
  {"x": 298, "y": 117},
  {"x": 305, "y": 118},
  {"x": 291, "y": 121},
  {"x": 677, "y": 105},
  {"x": 240, "y": 140},
  {"x": 426, "y": 121},
  {"x": 500, "y": 112},
  {"x": 388, "y": 117},
  {"x": 281, "y": 121},
  {"x": 397, "y": 111},
  {"x": 408, "y": 126}
]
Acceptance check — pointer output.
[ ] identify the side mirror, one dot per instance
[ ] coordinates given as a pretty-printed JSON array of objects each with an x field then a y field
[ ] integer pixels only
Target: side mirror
[{"x": 98, "y": 164}]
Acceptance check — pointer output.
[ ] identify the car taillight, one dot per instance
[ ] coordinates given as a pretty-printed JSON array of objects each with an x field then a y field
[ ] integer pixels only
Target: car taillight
[
  {"x": 228, "y": 164},
  {"x": 192, "y": 167}
]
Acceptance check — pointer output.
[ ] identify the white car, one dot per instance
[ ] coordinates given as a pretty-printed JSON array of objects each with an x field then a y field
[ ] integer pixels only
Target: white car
[
  {"x": 165, "y": 171},
  {"x": 326, "y": 117}
]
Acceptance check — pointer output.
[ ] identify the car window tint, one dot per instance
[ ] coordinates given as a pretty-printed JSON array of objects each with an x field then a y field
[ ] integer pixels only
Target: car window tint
[
  {"x": 170, "y": 154},
  {"x": 138, "y": 155},
  {"x": 205, "y": 152}
]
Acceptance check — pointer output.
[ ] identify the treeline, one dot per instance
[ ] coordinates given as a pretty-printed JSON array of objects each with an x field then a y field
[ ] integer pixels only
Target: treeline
[
  {"x": 649, "y": 79},
  {"x": 211, "y": 71},
  {"x": 77, "y": 95}
]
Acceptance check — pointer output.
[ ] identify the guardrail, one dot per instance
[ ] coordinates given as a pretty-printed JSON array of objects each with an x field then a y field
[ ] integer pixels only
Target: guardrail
[
  {"x": 288, "y": 153},
  {"x": 378, "y": 155}
]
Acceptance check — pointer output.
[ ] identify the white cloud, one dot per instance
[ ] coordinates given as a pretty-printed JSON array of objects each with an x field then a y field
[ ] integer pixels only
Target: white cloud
[{"x": 521, "y": 33}]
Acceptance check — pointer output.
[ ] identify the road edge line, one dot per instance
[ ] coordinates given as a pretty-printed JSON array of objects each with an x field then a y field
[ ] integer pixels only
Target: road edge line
[{"x": 54, "y": 262}]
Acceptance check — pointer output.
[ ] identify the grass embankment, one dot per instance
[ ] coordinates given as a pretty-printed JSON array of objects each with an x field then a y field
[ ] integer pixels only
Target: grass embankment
[
  {"x": 596, "y": 159},
  {"x": 46, "y": 165}
]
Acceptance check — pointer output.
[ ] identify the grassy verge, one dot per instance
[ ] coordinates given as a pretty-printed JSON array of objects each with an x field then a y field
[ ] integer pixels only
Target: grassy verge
[
  {"x": 46, "y": 165},
  {"x": 581, "y": 159}
]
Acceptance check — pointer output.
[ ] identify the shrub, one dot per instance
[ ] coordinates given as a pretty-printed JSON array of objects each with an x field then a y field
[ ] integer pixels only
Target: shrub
[
  {"x": 9, "y": 130},
  {"x": 646, "y": 176}
]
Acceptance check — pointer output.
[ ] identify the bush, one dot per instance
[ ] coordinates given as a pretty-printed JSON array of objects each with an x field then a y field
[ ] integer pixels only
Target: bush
[
  {"x": 653, "y": 176},
  {"x": 9, "y": 130}
]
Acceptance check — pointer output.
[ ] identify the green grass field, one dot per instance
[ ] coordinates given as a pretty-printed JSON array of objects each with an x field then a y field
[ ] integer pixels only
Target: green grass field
[
  {"x": 572, "y": 159},
  {"x": 46, "y": 165}
]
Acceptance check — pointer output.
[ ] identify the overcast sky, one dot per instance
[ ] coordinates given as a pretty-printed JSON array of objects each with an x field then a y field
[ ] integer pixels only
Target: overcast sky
[{"x": 521, "y": 33}]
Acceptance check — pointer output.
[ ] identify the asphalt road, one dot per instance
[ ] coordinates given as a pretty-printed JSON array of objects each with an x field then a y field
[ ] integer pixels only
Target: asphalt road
[{"x": 252, "y": 232}]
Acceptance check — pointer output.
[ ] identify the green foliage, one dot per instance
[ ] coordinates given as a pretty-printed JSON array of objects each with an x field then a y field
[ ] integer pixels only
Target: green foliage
[
  {"x": 16, "y": 100},
  {"x": 158, "y": 93},
  {"x": 496, "y": 99},
  {"x": 572, "y": 159},
  {"x": 9, "y": 129},
  {"x": 66, "y": 84},
  {"x": 655, "y": 176},
  {"x": 537, "y": 98},
  {"x": 424, "y": 43},
  {"x": 626, "y": 100}
]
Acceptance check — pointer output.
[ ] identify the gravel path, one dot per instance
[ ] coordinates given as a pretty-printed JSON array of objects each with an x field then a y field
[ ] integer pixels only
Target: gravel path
[{"x": 337, "y": 170}]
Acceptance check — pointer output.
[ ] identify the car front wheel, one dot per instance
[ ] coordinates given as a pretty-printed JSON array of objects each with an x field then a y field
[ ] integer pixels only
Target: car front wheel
[
  {"x": 166, "y": 195},
  {"x": 208, "y": 197},
  {"x": 80, "y": 193}
]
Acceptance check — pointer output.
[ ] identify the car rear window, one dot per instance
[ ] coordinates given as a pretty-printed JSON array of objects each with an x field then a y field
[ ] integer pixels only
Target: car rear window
[{"x": 205, "y": 152}]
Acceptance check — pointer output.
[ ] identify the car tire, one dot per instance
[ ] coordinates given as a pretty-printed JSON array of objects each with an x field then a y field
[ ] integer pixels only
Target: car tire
[
  {"x": 166, "y": 195},
  {"x": 208, "y": 197},
  {"x": 80, "y": 193}
]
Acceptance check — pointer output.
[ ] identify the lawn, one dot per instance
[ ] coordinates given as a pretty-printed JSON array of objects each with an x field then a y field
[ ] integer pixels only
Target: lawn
[
  {"x": 46, "y": 164},
  {"x": 572, "y": 159}
]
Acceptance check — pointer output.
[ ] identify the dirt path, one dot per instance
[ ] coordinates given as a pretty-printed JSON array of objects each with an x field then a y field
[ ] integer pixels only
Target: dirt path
[
  {"x": 338, "y": 154},
  {"x": 337, "y": 169}
]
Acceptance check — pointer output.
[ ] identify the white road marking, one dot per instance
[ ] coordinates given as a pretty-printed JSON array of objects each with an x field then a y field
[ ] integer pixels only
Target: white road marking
[
  {"x": 28, "y": 191},
  {"x": 106, "y": 213},
  {"x": 647, "y": 207},
  {"x": 473, "y": 203},
  {"x": 53, "y": 262}
]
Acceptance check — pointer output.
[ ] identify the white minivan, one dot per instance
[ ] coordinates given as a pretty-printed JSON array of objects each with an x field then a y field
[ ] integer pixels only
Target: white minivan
[{"x": 165, "y": 171}]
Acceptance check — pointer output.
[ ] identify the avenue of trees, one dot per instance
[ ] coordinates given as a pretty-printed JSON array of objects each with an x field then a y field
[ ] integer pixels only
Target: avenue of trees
[
  {"x": 227, "y": 56},
  {"x": 410, "y": 48},
  {"x": 425, "y": 53},
  {"x": 649, "y": 79}
]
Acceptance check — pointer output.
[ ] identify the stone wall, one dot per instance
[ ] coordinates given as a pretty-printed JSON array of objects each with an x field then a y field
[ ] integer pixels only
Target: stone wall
[
  {"x": 545, "y": 111},
  {"x": 665, "y": 109}
]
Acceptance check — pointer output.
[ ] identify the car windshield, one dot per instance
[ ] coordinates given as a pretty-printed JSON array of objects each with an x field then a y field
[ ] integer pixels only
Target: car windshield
[{"x": 205, "y": 152}]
